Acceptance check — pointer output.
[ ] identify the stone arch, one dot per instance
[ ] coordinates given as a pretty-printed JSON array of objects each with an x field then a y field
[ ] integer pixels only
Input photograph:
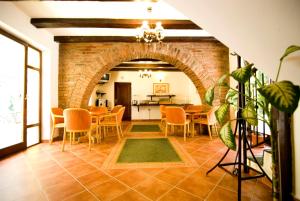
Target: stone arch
[{"x": 98, "y": 59}]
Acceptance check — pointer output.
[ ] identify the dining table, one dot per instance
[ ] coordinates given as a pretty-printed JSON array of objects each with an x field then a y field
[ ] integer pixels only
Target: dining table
[
  {"x": 96, "y": 119},
  {"x": 192, "y": 113}
]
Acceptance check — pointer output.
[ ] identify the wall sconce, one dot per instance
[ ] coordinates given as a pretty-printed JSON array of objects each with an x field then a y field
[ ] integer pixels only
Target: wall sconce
[{"x": 145, "y": 73}]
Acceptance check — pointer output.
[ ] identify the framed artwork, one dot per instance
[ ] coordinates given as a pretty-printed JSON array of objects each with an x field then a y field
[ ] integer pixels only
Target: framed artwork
[{"x": 160, "y": 88}]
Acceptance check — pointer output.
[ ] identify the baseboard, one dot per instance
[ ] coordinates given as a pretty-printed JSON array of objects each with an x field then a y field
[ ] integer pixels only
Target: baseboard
[{"x": 57, "y": 138}]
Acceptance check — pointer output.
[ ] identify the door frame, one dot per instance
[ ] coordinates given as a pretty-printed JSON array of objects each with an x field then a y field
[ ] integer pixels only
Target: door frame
[
  {"x": 27, "y": 66},
  {"x": 129, "y": 107},
  {"x": 23, "y": 145}
]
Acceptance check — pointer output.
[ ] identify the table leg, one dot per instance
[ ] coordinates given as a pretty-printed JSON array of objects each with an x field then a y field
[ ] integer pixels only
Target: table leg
[{"x": 193, "y": 125}]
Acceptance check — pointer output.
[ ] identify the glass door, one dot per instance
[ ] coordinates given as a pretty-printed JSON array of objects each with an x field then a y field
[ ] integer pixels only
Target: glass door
[
  {"x": 12, "y": 64},
  {"x": 20, "y": 89}
]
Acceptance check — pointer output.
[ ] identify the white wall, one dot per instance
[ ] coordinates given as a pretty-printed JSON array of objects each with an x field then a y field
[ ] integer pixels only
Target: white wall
[
  {"x": 179, "y": 84},
  {"x": 17, "y": 23},
  {"x": 259, "y": 31}
]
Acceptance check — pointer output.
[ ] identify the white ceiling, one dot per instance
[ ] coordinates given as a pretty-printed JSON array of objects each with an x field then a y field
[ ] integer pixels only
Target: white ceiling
[{"x": 96, "y": 9}]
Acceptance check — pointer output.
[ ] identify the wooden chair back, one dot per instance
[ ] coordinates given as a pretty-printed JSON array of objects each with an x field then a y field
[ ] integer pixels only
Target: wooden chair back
[
  {"x": 120, "y": 114},
  {"x": 116, "y": 108},
  {"x": 175, "y": 115},
  {"x": 162, "y": 109},
  {"x": 57, "y": 111},
  {"x": 77, "y": 120}
]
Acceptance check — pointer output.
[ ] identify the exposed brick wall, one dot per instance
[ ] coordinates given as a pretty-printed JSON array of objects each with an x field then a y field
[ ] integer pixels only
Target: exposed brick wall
[{"x": 81, "y": 65}]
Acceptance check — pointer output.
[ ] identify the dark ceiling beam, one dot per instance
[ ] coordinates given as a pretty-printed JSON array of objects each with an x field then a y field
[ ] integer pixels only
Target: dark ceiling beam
[
  {"x": 91, "y": 39},
  {"x": 122, "y": 0},
  {"x": 108, "y": 0},
  {"x": 143, "y": 65},
  {"x": 152, "y": 69},
  {"x": 145, "y": 59},
  {"x": 108, "y": 23}
]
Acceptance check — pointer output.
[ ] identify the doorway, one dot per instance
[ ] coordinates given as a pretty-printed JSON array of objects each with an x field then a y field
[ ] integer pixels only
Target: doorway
[
  {"x": 123, "y": 97},
  {"x": 20, "y": 86}
]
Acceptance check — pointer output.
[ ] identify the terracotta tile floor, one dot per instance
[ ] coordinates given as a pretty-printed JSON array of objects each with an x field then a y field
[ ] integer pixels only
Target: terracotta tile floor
[{"x": 43, "y": 172}]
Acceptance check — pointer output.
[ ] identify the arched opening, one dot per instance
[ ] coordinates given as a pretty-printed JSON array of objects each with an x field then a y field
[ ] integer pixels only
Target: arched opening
[
  {"x": 83, "y": 64},
  {"x": 148, "y": 83},
  {"x": 179, "y": 65}
]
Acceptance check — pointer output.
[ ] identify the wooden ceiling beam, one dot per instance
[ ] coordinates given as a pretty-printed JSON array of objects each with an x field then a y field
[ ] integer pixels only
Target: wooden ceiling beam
[
  {"x": 90, "y": 39},
  {"x": 108, "y": 23},
  {"x": 152, "y": 69},
  {"x": 143, "y": 65},
  {"x": 145, "y": 59},
  {"x": 154, "y": 1}
]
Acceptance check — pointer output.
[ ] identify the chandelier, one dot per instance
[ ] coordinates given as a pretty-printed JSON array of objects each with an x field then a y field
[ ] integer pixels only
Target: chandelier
[
  {"x": 147, "y": 34},
  {"x": 145, "y": 73}
]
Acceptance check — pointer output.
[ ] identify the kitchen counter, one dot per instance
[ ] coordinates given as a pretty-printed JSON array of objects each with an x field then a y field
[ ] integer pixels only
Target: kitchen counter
[{"x": 155, "y": 104}]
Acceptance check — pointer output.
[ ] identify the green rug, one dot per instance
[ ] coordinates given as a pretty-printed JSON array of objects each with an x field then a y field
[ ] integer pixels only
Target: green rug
[
  {"x": 148, "y": 150},
  {"x": 145, "y": 128}
]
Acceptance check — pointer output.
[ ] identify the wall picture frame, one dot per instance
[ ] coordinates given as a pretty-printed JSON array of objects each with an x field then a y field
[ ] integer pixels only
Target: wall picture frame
[{"x": 160, "y": 88}]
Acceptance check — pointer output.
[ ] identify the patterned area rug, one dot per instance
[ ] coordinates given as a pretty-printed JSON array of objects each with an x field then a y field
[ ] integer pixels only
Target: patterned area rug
[
  {"x": 147, "y": 152},
  {"x": 145, "y": 128}
]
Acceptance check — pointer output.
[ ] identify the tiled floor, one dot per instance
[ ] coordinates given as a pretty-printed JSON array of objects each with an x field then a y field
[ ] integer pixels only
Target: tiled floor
[{"x": 43, "y": 172}]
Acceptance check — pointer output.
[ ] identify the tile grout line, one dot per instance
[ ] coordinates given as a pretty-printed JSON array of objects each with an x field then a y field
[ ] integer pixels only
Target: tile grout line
[
  {"x": 36, "y": 179},
  {"x": 151, "y": 176},
  {"x": 132, "y": 188},
  {"x": 73, "y": 195},
  {"x": 216, "y": 184},
  {"x": 210, "y": 192},
  {"x": 176, "y": 186},
  {"x": 60, "y": 159},
  {"x": 72, "y": 177},
  {"x": 114, "y": 178}
]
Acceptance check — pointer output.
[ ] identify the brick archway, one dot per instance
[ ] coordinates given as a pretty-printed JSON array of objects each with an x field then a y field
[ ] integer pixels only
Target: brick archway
[{"x": 83, "y": 64}]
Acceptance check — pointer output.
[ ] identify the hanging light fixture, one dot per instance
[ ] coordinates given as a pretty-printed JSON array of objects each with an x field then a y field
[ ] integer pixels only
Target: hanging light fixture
[
  {"x": 145, "y": 73},
  {"x": 145, "y": 33},
  {"x": 149, "y": 35}
]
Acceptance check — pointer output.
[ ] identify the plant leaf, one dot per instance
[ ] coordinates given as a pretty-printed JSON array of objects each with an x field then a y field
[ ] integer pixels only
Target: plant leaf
[
  {"x": 242, "y": 74},
  {"x": 209, "y": 95},
  {"x": 246, "y": 63},
  {"x": 227, "y": 136},
  {"x": 249, "y": 114},
  {"x": 232, "y": 97},
  {"x": 221, "y": 112},
  {"x": 222, "y": 80},
  {"x": 289, "y": 50},
  {"x": 283, "y": 95}
]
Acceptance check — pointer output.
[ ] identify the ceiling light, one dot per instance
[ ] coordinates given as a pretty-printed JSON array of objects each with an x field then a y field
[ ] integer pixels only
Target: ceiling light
[
  {"x": 145, "y": 73},
  {"x": 147, "y": 34}
]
